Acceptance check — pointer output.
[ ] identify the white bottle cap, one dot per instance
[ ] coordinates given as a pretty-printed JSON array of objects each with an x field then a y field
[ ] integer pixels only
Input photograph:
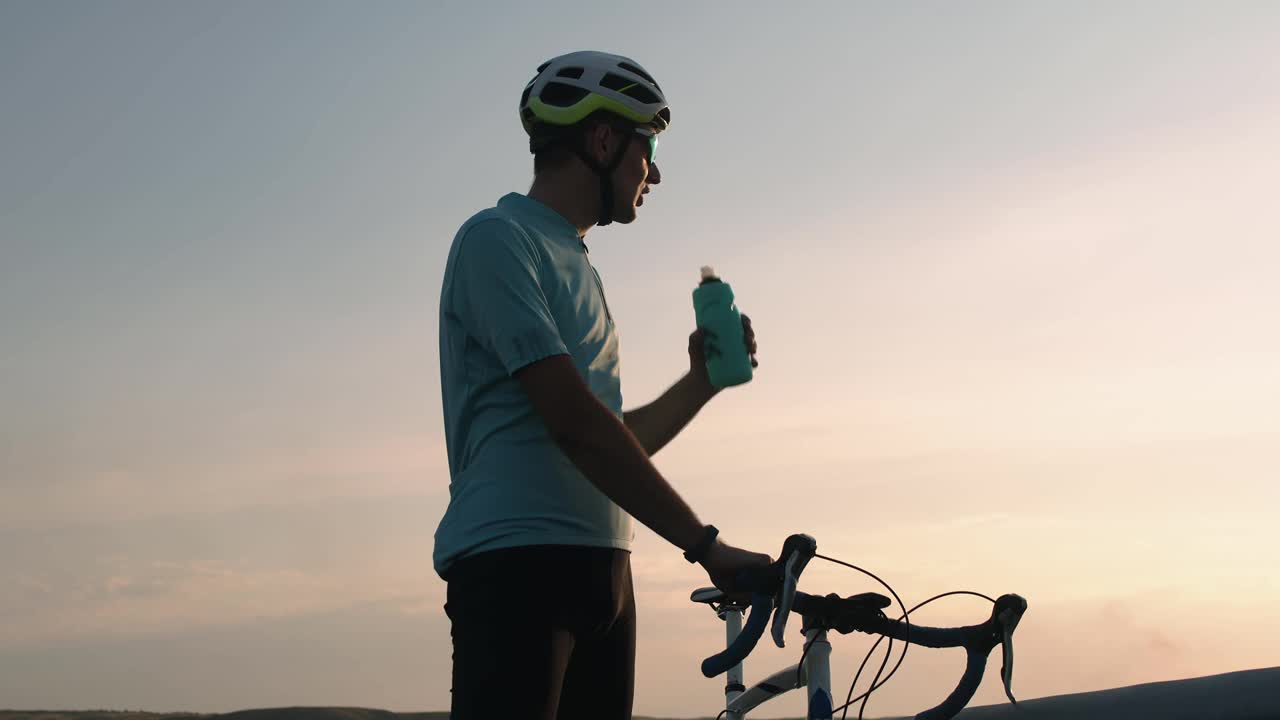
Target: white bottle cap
[{"x": 708, "y": 273}]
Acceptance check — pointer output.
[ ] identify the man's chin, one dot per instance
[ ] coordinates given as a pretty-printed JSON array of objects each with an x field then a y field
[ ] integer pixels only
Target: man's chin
[{"x": 626, "y": 216}]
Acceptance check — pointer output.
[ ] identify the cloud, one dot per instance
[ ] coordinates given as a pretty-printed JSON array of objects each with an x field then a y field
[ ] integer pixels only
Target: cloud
[
  {"x": 33, "y": 585},
  {"x": 1124, "y": 618},
  {"x": 212, "y": 569},
  {"x": 370, "y": 654},
  {"x": 146, "y": 601},
  {"x": 79, "y": 489}
]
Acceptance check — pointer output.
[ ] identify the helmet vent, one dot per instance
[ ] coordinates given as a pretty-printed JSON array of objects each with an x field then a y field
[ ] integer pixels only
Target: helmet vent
[
  {"x": 615, "y": 82},
  {"x": 641, "y": 93},
  {"x": 633, "y": 69},
  {"x": 570, "y": 72},
  {"x": 561, "y": 95}
]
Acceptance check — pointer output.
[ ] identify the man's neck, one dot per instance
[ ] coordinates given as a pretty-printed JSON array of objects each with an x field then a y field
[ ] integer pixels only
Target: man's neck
[{"x": 576, "y": 200}]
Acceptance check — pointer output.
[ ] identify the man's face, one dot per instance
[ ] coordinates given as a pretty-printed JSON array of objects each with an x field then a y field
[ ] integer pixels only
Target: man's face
[{"x": 637, "y": 172}]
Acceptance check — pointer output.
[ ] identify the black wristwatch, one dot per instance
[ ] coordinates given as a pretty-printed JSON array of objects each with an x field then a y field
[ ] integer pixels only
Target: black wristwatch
[{"x": 698, "y": 552}]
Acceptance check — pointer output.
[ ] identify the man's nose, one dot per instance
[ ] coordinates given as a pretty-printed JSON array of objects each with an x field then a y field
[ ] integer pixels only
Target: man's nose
[{"x": 655, "y": 175}]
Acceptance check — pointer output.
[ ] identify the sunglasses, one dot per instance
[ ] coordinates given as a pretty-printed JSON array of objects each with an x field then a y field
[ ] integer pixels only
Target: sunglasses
[{"x": 652, "y": 136}]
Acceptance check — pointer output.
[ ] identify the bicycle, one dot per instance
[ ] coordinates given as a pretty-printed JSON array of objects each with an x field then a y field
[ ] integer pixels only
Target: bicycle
[{"x": 773, "y": 589}]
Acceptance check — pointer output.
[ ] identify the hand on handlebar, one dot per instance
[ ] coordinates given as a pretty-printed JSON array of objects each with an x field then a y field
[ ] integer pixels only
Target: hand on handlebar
[
  {"x": 723, "y": 562},
  {"x": 771, "y": 586}
]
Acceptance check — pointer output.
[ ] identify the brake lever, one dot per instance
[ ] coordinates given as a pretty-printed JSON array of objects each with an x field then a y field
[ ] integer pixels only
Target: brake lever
[
  {"x": 1006, "y": 669},
  {"x": 1008, "y": 620},
  {"x": 799, "y": 549}
]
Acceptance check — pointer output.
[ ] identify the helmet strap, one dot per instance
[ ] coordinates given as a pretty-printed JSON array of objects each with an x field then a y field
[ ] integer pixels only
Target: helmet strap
[{"x": 605, "y": 173}]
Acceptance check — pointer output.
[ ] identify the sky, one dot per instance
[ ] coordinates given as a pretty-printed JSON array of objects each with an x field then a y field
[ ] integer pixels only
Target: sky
[{"x": 1011, "y": 266}]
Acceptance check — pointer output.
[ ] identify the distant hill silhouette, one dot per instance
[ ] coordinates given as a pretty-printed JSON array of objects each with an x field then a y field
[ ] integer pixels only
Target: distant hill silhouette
[
  {"x": 305, "y": 713},
  {"x": 1245, "y": 695},
  {"x": 264, "y": 714}
]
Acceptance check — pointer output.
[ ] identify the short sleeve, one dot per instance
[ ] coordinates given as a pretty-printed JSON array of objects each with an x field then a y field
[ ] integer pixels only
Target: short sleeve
[{"x": 498, "y": 296}]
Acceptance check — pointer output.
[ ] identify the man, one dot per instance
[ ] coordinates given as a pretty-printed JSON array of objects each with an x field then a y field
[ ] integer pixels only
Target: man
[{"x": 547, "y": 470}]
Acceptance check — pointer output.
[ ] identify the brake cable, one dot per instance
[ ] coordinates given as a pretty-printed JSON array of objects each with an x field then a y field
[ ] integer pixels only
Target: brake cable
[{"x": 876, "y": 682}]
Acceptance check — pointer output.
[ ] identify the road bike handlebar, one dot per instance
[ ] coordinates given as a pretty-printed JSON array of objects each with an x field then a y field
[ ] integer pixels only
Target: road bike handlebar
[{"x": 774, "y": 588}]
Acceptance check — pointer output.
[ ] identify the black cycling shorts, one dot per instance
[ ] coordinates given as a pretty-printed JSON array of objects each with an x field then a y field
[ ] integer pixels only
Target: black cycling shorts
[{"x": 542, "y": 632}]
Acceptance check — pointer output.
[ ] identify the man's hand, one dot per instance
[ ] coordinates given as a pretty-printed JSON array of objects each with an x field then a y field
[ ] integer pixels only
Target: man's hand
[
  {"x": 655, "y": 424},
  {"x": 698, "y": 356},
  {"x": 724, "y": 561}
]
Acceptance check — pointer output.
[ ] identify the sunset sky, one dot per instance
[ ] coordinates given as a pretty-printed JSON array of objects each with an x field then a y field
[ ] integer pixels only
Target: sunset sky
[{"x": 1013, "y": 268}]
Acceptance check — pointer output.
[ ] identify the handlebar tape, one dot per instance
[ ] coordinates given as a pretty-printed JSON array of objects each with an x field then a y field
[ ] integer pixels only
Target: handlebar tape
[
  {"x": 761, "y": 606},
  {"x": 963, "y": 693}
]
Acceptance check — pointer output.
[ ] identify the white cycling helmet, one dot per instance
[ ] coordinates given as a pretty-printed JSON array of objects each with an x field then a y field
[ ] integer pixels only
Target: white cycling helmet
[{"x": 570, "y": 87}]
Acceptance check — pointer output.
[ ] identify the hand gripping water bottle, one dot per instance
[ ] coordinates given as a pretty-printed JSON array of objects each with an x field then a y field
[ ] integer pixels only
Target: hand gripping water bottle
[{"x": 727, "y": 360}]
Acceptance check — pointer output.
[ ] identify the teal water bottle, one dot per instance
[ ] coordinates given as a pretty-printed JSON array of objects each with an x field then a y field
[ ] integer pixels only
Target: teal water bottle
[{"x": 728, "y": 363}]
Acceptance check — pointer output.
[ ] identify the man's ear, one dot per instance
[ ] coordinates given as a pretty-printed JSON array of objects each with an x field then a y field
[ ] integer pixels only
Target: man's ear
[{"x": 600, "y": 139}]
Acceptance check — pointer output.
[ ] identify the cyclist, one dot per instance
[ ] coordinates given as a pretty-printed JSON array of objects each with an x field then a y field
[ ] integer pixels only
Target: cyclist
[{"x": 547, "y": 471}]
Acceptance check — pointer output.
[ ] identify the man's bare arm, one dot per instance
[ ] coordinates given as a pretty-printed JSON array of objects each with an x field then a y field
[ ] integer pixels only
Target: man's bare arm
[
  {"x": 606, "y": 452},
  {"x": 657, "y": 423}
]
